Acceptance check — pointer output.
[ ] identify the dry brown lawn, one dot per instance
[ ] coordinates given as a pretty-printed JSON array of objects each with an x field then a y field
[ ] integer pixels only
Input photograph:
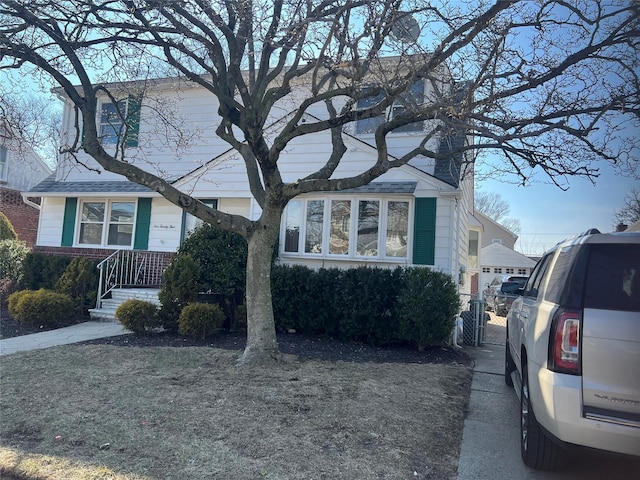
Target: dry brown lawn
[{"x": 106, "y": 412}]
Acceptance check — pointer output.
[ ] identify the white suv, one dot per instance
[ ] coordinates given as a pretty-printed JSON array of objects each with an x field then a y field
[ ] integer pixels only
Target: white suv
[{"x": 573, "y": 349}]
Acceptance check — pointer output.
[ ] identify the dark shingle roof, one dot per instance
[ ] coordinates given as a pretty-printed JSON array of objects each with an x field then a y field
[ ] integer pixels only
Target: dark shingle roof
[
  {"x": 385, "y": 187},
  {"x": 50, "y": 185}
]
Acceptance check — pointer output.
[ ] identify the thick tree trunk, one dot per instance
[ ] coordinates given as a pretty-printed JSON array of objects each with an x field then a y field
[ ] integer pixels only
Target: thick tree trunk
[{"x": 262, "y": 345}]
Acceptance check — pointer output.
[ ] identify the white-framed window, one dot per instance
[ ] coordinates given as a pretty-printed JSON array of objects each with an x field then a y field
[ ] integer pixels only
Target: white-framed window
[
  {"x": 497, "y": 270},
  {"x": 523, "y": 271},
  {"x": 509, "y": 271},
  {"x": 486, "y": 270},
  {"x": 190, "y": 223},
  {"x": 347, "y": 227},
  {"x": 414, "y": 96},
  {"x": 4, "y": 155},
  {"x": 106, "y": 223}
]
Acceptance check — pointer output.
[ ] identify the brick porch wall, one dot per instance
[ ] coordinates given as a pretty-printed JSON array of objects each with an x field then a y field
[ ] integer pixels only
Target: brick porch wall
[{"x": 23, "y": 217}]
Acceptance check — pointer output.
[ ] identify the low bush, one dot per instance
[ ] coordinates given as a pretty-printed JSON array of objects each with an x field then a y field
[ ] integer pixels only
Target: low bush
[
  {"x": 200, "y": 320},
  {"x": 138, "y": 316},
  {"x": 427, "y": 307},
  {"x": 42, "y": 308}
]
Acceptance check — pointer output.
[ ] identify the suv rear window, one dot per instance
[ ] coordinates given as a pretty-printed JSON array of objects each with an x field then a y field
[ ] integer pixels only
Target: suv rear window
[{"x": 613, "y": 278}]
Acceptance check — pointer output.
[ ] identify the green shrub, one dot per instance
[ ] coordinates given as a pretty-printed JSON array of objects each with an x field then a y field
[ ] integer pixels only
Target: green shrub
[
  {"x": 222, "y": 257},
  {"x": 6, "y": 229},
  {"x": 200, "y": 320},
  {"x": 14, "y": 299},
  {"x": 179, "y": 288},
  {"x": 427, "y": 307},
  {"x": 80, "y": 281},
  {"x": 240, "y": 324},
  {"x": 42, "y": 308},
  {"x": 12, "y": 257},
  {"x": 138, "y": 316},
  {"x": 43, "y": 271},
  {"x": 367, "y": 299}
]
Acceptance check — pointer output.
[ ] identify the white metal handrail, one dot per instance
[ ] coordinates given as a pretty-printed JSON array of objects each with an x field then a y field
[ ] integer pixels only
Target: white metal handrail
[{"x": 129, "y": 268}]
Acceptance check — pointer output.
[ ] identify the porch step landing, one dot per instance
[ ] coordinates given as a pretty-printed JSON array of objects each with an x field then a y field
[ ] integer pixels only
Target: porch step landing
[{"x": 107, "y": 311}]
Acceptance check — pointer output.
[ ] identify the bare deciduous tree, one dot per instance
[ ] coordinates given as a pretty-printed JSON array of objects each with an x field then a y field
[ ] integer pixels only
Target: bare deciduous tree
[
  {"x": 630, "y": 211},
  {"x": 545, "y": 86},
  {"x": 497, "y": 209}
]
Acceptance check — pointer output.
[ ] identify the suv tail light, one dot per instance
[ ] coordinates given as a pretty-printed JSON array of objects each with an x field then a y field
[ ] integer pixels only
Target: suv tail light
[{"x": 564, "y": 344}]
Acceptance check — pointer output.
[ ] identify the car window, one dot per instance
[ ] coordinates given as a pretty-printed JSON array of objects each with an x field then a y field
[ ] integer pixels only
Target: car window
[
  {"x": 613, "y": 278},
  {"x": 566, "y": 281},
  {"x": 533, "y": 285}
]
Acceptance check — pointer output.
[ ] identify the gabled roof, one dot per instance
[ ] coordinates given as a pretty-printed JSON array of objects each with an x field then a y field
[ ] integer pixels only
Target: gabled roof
[
  {"x": 498, "y": 255},
  {"x": 486, "y": 221}
]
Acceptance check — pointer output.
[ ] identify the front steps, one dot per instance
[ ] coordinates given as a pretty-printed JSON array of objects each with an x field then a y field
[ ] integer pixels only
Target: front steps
[{"x": 107, "y": 311}]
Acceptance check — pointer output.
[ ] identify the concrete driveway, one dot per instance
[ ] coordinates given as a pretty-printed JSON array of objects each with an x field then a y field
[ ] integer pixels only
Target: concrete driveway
[{"x": 490, "y": 445}]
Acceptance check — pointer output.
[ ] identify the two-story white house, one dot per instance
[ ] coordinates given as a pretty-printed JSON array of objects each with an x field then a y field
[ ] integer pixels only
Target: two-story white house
[{"x": 418, "y": 214}]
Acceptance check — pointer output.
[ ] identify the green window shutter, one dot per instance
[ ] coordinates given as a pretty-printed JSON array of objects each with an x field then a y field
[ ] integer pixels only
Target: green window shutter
[
  {"x": 143, "y": 222},
  {"x": 69, "y": 221},
  {"x": 424, "y": 232},
  {"x": 133, "y": 120}
]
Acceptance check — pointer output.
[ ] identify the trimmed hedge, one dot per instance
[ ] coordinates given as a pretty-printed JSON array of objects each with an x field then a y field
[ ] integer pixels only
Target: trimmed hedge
[
  {"x": 200, "y": 320},
  {"x": 42, "y": 308},
  {"x": 138, "y": 316},
  {"x": 376, "y": 306}
]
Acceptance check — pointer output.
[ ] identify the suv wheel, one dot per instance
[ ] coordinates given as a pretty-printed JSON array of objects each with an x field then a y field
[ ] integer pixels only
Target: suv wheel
[{"x": 537, "y": 450}]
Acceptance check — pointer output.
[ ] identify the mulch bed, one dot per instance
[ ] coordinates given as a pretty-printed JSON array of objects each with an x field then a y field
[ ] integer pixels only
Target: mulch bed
[{"x": 305, "y": 347}]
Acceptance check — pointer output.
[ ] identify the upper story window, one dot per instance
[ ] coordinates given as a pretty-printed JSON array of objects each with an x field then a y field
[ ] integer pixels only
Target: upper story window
[
  {"x": 119, "y": 122},
  {"x": 3, "y": 163},
  {"x": 414, "y": 96},
  {"x": 347, "y": 228},
  {"x": 106, "y": 223}
]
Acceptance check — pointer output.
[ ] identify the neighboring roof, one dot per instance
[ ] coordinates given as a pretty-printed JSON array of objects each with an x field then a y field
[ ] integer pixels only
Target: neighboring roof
[
  {"x": 486, "y": 220},
  {"x": 634, "y": 227},
  {"x": 475, "y": 223},
  {"x": 384, "y": 187},
  {"x": 498, "y": 255},
  {"x": 51, "y": 186}
]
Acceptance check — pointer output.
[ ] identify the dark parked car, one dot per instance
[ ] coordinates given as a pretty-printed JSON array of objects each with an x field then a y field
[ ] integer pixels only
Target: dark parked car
[{"x": 508, "y": 292}]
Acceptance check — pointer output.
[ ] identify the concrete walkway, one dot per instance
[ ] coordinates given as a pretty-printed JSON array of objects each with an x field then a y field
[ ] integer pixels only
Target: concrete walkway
[
  {"x": 61, "y": 336},
  {"x": 491, "y": 438}
]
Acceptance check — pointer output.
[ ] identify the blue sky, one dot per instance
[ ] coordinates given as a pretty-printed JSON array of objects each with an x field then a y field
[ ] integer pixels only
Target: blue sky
[{"x": 548, "y": 215}]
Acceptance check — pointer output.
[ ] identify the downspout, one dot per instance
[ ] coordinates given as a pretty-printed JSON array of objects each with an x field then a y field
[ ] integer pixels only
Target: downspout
[{"x": 26, "y": 200}]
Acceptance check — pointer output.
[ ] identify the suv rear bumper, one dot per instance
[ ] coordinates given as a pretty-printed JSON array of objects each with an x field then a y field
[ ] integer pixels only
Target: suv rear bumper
[{"x": 557, "y": 403}]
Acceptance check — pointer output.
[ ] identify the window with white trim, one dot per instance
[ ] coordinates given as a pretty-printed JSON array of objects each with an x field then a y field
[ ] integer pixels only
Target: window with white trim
[
  {"x": 509, "y": 270},
  {"x": 190, "y": 222},
  {"x": 119, "y": 122},
  {"x": 523, "y": 271},
  {"x": 414, "y": 96},
  {"x": 486, "y": 270},
  {"x": 4, "y": 154},
  {"x": 497, "y": 270},
  {"x": 107, "y": 223},
  {"x": 373, "y": 228},
  {"x": 111, "y": 122}
]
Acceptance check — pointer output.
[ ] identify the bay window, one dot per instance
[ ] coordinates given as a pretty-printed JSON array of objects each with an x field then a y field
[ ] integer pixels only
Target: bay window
[{"x": 346, "y": 228}]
